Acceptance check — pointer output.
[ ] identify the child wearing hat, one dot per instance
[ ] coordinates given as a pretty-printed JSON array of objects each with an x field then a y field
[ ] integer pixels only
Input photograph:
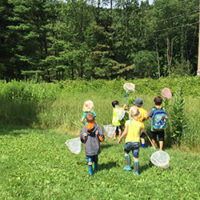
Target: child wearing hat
[
  {"x": 141, "y": 118},
  {"x": 91, "y": 136}
]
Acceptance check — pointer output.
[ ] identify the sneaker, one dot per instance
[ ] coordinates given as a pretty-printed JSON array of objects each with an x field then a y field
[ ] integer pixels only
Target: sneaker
[
  {"x": 136, "y": 173},
  {"x": 127, "y": 168}
]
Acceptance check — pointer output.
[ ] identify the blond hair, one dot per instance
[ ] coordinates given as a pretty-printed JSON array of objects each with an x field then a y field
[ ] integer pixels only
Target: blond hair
[
  {"x": 134, "y": 111},
  {"x": 88, "y": 106}
]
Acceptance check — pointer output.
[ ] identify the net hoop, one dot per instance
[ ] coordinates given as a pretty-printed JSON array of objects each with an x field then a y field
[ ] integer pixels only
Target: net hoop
[
  {"x": 109, "y": 130},
  {"x": 129, "y": 87},
  {"x": 160, "y": 159},
  {"x": 74, "y": 145},
  {"x": 166, "y": 93}
]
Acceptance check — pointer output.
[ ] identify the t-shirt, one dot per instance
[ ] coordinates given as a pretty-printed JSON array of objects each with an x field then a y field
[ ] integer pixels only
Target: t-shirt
[
  {"x": 85, "y": 113},
  {"x": 134, "y": 130},
  {"x": 143, "y": 115},
  {"x": 116, "y": 112}
]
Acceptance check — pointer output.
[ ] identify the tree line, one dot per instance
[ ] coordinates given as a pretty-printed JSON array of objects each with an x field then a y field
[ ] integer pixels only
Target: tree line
[{"x": 98, "y": 38}]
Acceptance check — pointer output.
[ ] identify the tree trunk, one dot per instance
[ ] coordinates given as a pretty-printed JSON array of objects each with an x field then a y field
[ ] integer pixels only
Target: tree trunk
[
  {"x": 169, "y": 54},
  {"x": 157, "y": 56}
]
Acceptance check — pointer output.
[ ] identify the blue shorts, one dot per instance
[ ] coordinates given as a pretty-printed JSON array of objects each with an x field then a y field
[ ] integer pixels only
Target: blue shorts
[
  {"x": 92, "y": 158},
  {"x": 134, "y": 147}
]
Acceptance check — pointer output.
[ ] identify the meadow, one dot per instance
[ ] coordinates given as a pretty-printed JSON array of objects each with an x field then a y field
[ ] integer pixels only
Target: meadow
[
  {"x": 37, "y": 119},
  {"x": 36, "y": 164}
]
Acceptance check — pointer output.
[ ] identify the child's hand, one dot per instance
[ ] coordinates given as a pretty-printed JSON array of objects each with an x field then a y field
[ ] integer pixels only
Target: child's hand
[
  {"x": 97, "y": 132},
  {"x": 85, "y": 134},
  {"x": 125, "y": 107},
  {"x": 119, "y": 141}
]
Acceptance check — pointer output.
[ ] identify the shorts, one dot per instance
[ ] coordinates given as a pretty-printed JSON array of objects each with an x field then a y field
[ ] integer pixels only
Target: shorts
[
  {"x": 134, "y": 147},
  {"x": 142, "y": 135},
  {"x": 118, "y": 130},
  {"x": 92, "y": 158},
  {"x": 160, "y": 135}
]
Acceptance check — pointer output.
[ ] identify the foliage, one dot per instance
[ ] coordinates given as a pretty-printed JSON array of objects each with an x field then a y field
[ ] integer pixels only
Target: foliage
[
  {"x": 98, "y": 39},
  {"x": 178, "y": 120},
  {"x": 59, "y": 105}
]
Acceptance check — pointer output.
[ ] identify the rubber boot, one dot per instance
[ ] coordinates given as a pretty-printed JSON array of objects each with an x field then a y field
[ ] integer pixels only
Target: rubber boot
[
  {"x": 90, "y": 170},
  {"x": 128, "y": 162},
  {"x": 136, "y": 168}
]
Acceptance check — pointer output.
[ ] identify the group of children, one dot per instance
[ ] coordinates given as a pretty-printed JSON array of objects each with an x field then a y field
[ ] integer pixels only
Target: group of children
[{"x": 92, "y": 134}]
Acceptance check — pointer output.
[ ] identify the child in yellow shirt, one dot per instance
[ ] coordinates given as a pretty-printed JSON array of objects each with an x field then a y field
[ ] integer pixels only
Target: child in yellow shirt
[{"x": 133, "y": 130}]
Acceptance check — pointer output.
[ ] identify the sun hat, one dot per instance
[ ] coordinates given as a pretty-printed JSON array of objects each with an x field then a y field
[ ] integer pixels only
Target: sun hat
[{"x": 138, "y": 102}]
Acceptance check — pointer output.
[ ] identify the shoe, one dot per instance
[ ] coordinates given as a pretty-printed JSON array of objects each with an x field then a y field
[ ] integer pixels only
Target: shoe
[
  {"x": 127, "y": 168},
  {"x": 136, "y": 173}
]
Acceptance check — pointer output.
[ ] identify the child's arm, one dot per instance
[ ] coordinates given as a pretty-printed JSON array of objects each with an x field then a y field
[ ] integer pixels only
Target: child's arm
[
  {"x": 123, "y": 134},
  {"x": 83, "y": 120},
  {"x": 100, "y": 134},
  {"x": 84, "y": 135}
]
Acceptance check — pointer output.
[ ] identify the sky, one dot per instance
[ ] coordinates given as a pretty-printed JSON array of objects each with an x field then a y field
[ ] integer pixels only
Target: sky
[{"x": 150, "y": 1}]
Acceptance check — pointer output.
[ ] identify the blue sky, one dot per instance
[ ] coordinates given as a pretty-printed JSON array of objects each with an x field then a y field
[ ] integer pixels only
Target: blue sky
[{"x": 150, "y": 1}]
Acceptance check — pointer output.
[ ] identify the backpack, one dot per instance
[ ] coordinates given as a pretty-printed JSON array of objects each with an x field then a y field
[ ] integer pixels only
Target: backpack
[{"x": 159, "y": 119}]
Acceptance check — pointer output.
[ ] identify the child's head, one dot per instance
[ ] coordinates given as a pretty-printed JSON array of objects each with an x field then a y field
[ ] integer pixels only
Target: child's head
[
  {"x": 115, "y": 103},
  {"x": 138, "y": 102},
  {"x": 88, "y": 106},
  {"x": 134, "y": 111},
  {"x": 90, "y": 117},
  {"x": 158, "y": 100}
]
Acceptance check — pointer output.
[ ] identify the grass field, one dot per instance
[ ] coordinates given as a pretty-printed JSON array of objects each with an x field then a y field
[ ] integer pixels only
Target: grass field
[{"x": 36, "y": 164}]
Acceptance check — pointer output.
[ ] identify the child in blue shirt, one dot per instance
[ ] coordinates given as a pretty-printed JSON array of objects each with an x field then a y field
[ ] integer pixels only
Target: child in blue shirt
[
  {"x": 160, "y": 133},
  {"x": 88, "y": 106}
]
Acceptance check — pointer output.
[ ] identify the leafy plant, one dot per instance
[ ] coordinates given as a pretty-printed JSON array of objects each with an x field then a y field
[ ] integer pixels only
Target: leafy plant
[{"x": 178, "y": 120}]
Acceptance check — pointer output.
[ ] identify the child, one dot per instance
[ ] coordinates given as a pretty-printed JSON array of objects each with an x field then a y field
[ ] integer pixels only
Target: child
[
  {"x": 133, "y": 130},
  {"x": 115, "y": 120},
  {"x": 88, "y": 106},
  {"x": 157, "y": 132},
  {"x": 142, "y": 117},
  {"x": 91, "y": 136}
]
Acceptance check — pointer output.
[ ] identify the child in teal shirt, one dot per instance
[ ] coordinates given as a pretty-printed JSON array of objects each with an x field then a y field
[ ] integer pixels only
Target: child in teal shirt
[{"x": 88, "y": 106}]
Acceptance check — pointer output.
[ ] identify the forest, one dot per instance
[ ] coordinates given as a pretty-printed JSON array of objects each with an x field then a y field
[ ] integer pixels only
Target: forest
[{"x": 97, "y": 39}]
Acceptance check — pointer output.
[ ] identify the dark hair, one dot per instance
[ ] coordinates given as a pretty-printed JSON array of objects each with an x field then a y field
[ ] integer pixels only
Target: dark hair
[
  {"x": 114, "y": 103},
  {"x": 158, "y": 100}
]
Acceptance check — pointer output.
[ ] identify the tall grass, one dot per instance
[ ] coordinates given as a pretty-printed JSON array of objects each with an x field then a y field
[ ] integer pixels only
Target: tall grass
[{"x": 59, "y": 105}]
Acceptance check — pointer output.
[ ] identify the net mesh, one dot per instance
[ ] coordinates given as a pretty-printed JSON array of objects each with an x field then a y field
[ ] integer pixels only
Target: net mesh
[
  {"x": 129, "y": 87},
  {"x": 160, "y": 159},
  {"x": 109, "y": 130},
  {"x": 166, "y": 93},
  {"x": 74, "y": 145}
]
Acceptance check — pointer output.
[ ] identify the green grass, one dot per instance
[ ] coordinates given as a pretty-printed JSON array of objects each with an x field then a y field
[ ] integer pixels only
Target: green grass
[{"x": 36, "y": 164}]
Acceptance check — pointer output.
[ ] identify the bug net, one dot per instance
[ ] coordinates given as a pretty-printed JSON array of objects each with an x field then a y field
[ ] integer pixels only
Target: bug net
[
  {"x": 166, "y": 93},
  {"x": 129, "y": 87},
  {"x": 74, "y": 145},
  {"x": 160, "y": 159},
  {"x": 109, "y": 130}
]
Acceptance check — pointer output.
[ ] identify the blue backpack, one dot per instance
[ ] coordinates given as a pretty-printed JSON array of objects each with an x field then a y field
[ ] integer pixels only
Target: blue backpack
[{"x": 159, "y": 119}]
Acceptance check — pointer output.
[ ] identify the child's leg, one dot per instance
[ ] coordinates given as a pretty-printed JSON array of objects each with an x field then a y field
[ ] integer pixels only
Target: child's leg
[
  {"x": 142, "y": 139},
  {"x": 128, "y": 162},
  {"x": 136, "y": 158},
  {"x": 120, "y": 131},
  {"x": 96, "y": 162},
  {"x": 161, "y": 140},
  {"x": 154, "y": 134},
  {"x": 89, "y": 161},
  {"x": 127, "y": 148}
]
